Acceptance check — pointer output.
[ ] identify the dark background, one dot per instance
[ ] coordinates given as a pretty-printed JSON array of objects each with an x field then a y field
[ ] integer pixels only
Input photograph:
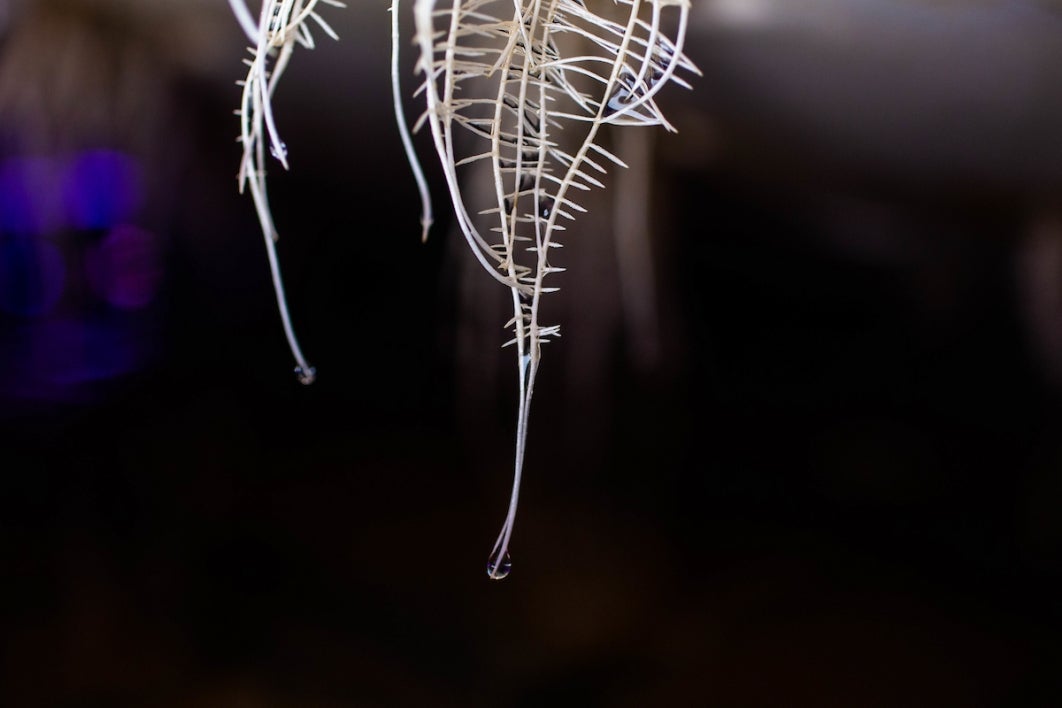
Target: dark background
[{"x": 837, "y": 485}]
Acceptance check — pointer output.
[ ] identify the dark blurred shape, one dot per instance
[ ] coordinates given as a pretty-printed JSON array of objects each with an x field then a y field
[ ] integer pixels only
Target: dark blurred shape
[{"x": 1038, "y": 269}]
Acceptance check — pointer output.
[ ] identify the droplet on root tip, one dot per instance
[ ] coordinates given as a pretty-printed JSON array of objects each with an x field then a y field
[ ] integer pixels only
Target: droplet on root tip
[
  {"x": 306, "y": 375},
  {"x": 499, "y": 570}
]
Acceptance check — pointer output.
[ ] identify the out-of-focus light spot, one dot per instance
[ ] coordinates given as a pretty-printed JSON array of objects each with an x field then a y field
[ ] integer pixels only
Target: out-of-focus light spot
[
  {"x": 103, "y": 188},
  {"x": 71, "y": 352},
  {"x": 125, "y": 268},
  {"x": 47, "y": 204},
  {"x": 30, "y": 189},
  {"x": 741, "y": 13},
  {"x": 32, "y": 275}
]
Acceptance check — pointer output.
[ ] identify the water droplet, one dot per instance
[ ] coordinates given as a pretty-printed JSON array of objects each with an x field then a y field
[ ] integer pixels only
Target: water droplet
[
  {"x": 306, "y": 375},
  {"x": 545, "y": 207},
  {"x": 279, "y": 151},
  {"x": 499, "y": 571}
]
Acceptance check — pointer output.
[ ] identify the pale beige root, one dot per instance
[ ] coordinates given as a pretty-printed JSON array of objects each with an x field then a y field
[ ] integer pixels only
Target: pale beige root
[
  {"x": 500, "y": 72},
  {"x": 281, "y": 25}
]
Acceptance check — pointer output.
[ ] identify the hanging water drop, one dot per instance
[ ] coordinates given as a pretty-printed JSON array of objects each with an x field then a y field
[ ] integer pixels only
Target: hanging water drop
[
  {"x": 499, "y": 570},
  {"x": 306, "y": 375},
  {"x": 545, "y": 206},
  {"x": 278, "y": 150}
]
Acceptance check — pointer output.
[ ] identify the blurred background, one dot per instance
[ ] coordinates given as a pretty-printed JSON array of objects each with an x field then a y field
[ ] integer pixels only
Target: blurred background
[{"x": 809, "y": 457}]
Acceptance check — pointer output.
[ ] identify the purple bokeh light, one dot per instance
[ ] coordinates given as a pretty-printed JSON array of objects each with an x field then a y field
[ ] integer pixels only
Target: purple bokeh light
[
  {"x": 67, "y": 242},
  {"x": 30, "y": 196},
  {"x": 76, "y": 351},
  {"x": 125, "y": 268}
]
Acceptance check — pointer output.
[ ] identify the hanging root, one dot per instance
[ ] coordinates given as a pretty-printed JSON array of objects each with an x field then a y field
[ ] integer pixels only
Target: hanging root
[
  {"x": 511, "y": 74},
  {"x": 281, "y": 25},
  {"x": 403, "y": 130}
]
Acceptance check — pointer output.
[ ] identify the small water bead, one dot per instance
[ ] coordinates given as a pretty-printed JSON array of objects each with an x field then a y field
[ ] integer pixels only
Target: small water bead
[
  {"x": 499, "y": 571},
  {"x": 545, "y": 206},
  {"x": 278, "y": 151},
  {"x": 307, "y": 375}
]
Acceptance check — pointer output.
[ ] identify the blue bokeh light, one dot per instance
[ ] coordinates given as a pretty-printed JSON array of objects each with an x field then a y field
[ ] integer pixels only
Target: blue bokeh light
[
  {"x": 102, "y": 188},
  {"x": 32, "y": 276}
]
